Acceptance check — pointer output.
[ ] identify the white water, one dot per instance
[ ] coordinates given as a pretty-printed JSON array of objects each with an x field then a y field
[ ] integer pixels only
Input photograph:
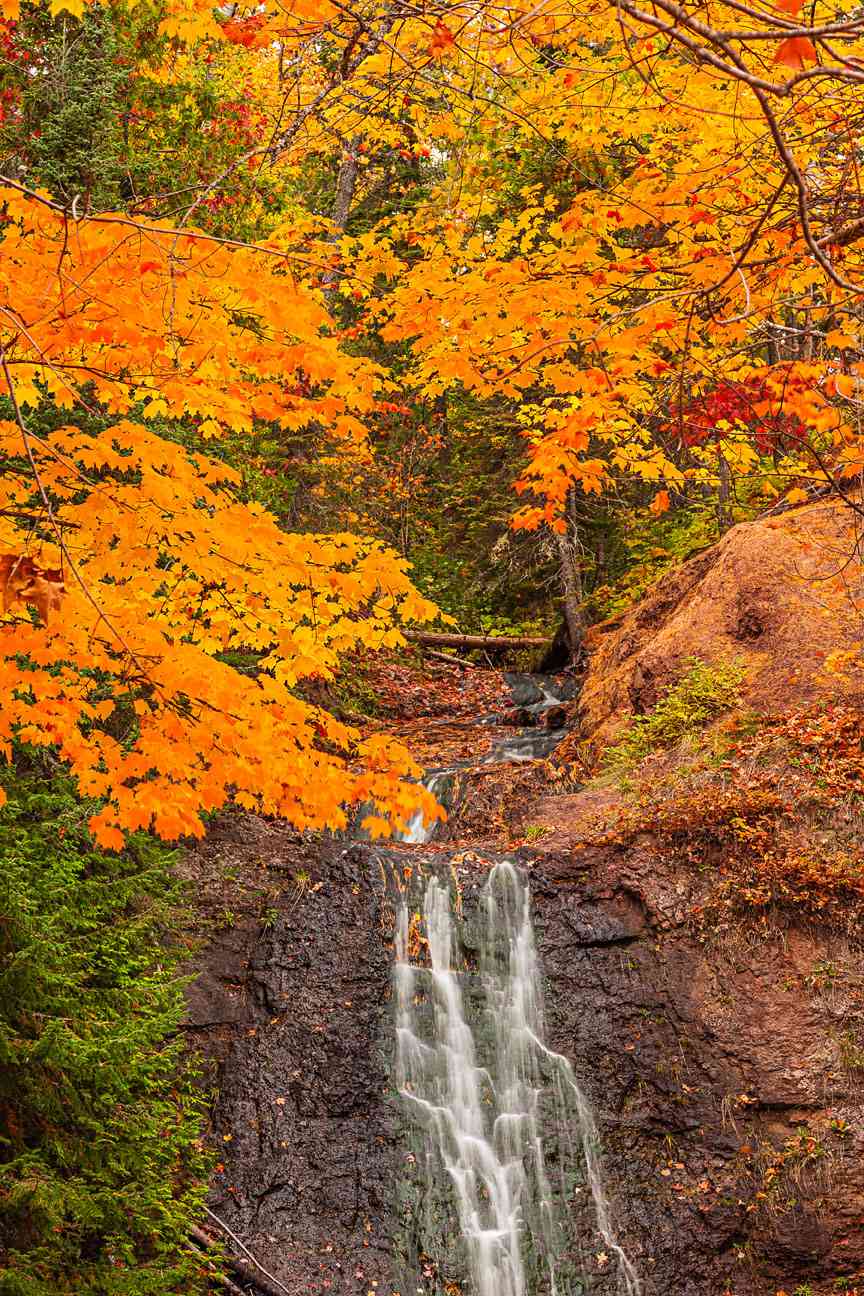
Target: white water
[
  {"x": 419, "y": 831},
  {"x": 485, "y": 1097}
]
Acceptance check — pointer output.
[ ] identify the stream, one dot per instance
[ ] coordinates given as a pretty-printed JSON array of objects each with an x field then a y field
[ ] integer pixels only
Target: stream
[{"x": 541, "y": 696}]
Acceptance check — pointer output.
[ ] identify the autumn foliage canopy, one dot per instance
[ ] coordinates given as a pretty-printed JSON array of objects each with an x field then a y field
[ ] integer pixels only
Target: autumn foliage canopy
[{"x": 635, "y": 228}]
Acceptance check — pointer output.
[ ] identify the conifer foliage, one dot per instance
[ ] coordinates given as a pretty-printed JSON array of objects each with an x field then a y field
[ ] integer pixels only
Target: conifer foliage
[
  {"x": 99, "y": 1160},
  {"x": 625, "y": 239},
  {"x": 597, "y": 263}
]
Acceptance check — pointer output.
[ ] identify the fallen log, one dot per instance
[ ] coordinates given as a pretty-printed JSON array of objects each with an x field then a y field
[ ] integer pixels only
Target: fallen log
[
  {"x": 432, "y": 639},
  {"x": 217, "y": 1277}
]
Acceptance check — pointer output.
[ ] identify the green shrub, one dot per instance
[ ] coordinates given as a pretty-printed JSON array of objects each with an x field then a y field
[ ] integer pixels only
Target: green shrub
[
  {"x": 703, "y": 692},
  {"x": 100, "y": 1169}
]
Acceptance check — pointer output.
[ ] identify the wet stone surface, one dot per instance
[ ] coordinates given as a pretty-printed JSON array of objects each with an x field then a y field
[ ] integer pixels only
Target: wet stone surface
[
  {"x": 696, "y": 1060},
  {"x": 303, "y": 1121}
]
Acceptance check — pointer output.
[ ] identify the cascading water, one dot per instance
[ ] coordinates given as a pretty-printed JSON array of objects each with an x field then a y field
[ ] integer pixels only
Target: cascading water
[
  {"x": 525, "y": 745},
  {"x": 418, "y": 831},
  {"x": 501, "y": 1114}
]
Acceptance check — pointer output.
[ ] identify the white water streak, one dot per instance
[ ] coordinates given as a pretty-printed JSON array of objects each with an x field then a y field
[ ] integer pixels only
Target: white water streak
[{"x": 485, "y": 1124}]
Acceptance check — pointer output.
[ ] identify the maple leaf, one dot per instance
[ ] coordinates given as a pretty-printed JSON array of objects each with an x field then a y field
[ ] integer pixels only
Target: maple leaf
[
  {"x": 16, "y": 572},
  {"x": 442, "y": 40},
  {"x": 44, "y": 590},
  {"x": 796, "y": 52}
]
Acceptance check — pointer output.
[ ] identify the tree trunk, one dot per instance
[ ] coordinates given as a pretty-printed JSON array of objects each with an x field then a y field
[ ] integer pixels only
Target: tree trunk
[
  {"x": 724, "y": 492},
  {"x": 346, "y": 183},
  {"x": 570, "y": 575}
]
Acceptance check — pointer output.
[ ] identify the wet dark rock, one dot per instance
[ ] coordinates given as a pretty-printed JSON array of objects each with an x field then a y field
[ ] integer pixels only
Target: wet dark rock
[
  {"x": 527, "y": 690},
  {"x": 303, "y": 1124},
  {"x": 708, "y": 1061},
  {"x": 519, "y": 717}
]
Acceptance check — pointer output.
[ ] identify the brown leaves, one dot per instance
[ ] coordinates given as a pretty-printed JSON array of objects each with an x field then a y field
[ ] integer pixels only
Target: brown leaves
[{"x": 25, "y": 582}]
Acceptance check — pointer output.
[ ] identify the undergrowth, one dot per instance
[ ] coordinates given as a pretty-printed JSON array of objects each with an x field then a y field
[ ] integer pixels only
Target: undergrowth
[
  {"x": 703, "y": 692},
  {"x": 101, "y": 1171},
  {"x": 776, "y": 822}
]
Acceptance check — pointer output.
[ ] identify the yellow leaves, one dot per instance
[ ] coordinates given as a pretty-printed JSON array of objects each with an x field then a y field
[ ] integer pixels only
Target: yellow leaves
[
  {"x": 180, "y": 571},
  {"x": 128, "y": 305},
  {"x": 797, "y": 496},
  {"x": 839, "y": 662},
  {"x": 589, "y": 316},
  {"x": 739, "y": 454},
  {"x": 376, "y": 827}
]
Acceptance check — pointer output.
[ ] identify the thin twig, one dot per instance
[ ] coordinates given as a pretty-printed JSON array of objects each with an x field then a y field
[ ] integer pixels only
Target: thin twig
[
  {"x": 247, "y": 1252},
  {"x": 220, "y": 1277}
]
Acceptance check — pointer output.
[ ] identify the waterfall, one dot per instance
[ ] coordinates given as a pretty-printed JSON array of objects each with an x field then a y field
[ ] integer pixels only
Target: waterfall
[
  {"x": 501, "y": 1114},
  {"x": 418, "y": 831}
]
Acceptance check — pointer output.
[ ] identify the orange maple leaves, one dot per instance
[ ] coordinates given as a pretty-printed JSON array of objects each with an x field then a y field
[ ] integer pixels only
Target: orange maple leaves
[
  {"x": 129, "y": 683},
  {"x": 442, "y": 40},
  {"x": 586, "y": 312},
  {"x": 24, "y": 582}
]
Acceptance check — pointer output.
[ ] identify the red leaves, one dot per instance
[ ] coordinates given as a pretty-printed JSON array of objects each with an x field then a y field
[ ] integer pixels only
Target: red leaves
[
  {"x": 442, "y": 40},
  {"x": 796, "y": 52},
  {"x": 711, "y": 416},
  {"x": 245, "y": 31}
]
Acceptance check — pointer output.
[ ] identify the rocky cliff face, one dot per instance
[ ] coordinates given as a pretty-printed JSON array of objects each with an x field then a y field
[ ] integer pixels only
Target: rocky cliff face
[
  {"x": 293, "y": 1014},
  {"x": 723, "y": 1075},
  {"x": 702, "y": 975},
  {"x": 729, "y": 1091},
  {"x": 780, "y": 595}
]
